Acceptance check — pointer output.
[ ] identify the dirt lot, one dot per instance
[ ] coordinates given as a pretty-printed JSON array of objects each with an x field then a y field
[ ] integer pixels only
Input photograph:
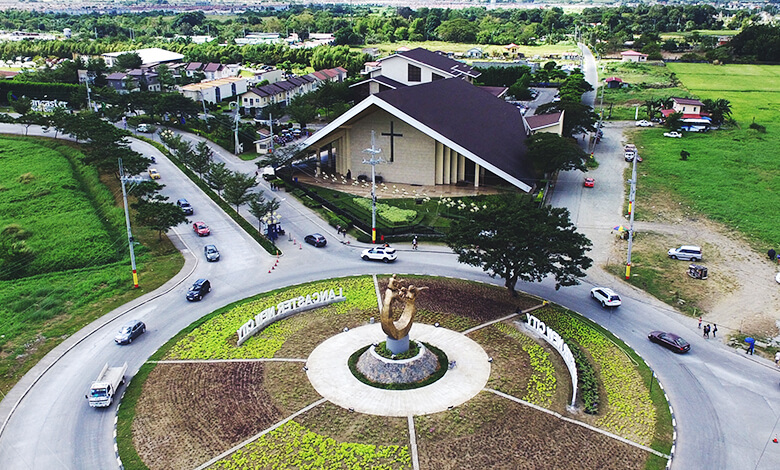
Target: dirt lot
[
  {"x": 491, "y": 432},
  {"x": 188, "y": 413}
]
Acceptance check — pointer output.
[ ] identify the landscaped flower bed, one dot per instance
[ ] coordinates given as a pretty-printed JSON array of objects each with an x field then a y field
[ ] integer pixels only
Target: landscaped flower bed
[
  {"x": 391, "y": 214},
  {"x": 216, "y": 339},
  {"x": 629, "y": 412},
  {"x": 542, "y": 383},
  {"x": 295, "y": 447}
]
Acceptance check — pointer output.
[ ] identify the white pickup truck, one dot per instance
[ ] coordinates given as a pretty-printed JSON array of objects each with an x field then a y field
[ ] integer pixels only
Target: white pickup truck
[{"x": 103, "y": 389}]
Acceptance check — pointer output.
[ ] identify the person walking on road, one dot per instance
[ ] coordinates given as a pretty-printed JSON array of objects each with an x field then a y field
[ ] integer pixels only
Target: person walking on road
[
  {"x": 707, "y": 331},
  {"x": 777, "y": 358},
  {"x": 699, "y": 322},
  {"x": 414, "y": 243},
  {"x": 714, "y": 329}
]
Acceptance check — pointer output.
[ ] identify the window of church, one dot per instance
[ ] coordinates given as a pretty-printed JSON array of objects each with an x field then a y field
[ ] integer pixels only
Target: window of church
[{"x": 415, "y": 73}]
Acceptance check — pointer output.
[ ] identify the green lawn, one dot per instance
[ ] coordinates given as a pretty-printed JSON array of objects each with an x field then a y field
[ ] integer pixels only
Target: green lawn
[{"x": 529, "y": 51}]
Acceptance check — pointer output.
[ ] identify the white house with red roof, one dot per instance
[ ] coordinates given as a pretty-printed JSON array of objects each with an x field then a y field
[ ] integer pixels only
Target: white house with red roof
[
  {"x": 633, "y": 56},
  {"x": 692, "y": 110}
]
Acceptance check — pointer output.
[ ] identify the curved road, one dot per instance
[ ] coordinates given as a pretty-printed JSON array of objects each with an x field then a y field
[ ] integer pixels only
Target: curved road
[{"x": 726, "y": 404}]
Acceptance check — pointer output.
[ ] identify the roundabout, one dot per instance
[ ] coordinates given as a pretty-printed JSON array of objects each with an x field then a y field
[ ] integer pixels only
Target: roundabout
[{"x": 330, "y": 376}]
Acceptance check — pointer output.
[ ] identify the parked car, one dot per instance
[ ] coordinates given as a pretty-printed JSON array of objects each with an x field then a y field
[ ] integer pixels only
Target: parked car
[
  {"x": 605, "y": 296},
  {"x": 644, "y": 123},
  {"x": 687, "y": 252},
  {"x": 211, "y": 252},
  {"x": 130, "y": 331},
  {"x": 154, "y": 174},
  {"x": 315, "y": 239},
  {"x": 669, "y": 340},
  {"x": 144, "y": 128},
  {"x": 201, "y": 229},
  {"x": 589, "y": 182},
  {"x": 199, "y": 289},
  {"x": 379, "y": 253},
  {"x": 185, "y": 206},
  {"x": 674, "y": 134}
]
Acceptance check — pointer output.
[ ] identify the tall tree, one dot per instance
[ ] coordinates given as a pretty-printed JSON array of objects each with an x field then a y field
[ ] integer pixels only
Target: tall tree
[
  {"x": 259, "y": 208},
  {"x": 550, "y": 153},
  {"x": 237, "y": 188},
  {"x": 159, "y": 215},
  {"x": 516, "y": 240},
  {"x": 719, "y": 109},
  {"x": 217, "y": 177},
  {"x": 577, "y": 118},
  {"x": 201, "y": 158}
]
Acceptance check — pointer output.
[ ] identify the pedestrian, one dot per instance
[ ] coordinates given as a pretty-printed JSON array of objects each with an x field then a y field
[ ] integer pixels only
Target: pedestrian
[
  {"x": 771, "y": 253},
  {"x": 714, "y": 329},
  {"x": 338, "y": 229},
  {"x": 349, "y": 175},
  {"x": 707, "y": 331},
  {"x": 699, "y": 322},
  {"x": 414, "y": 243},
  {"x": 777, "y": 358}
]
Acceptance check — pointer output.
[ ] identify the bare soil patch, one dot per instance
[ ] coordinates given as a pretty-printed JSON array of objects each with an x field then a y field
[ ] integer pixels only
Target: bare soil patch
[
  {"x": 321, "y": 324},
  {"x": 189, "y": 413},
  {"x": 336, "y": 422},
  {"x": 288, "y": 386},
  {"x": 492, "y": 432}
]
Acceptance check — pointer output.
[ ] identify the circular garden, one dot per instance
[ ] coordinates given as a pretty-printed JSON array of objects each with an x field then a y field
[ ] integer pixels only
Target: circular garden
[{"x": 202, "y": 401}]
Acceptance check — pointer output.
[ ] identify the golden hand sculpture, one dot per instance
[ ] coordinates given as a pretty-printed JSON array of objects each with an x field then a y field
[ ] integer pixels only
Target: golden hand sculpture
[{"x": 399, "y": 328}]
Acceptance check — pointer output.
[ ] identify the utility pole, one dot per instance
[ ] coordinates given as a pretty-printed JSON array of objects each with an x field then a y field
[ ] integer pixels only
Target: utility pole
[
  {"x": 631, "y": 210},
  {"x": 89, "y": 100},
  {"x": 271, "y": 127},
  {"x": 203, "y": 100},
  {"x": 374, "y": 160},
  {"x": 236, "y": 119},
  {"x": 127, "y": 222}
]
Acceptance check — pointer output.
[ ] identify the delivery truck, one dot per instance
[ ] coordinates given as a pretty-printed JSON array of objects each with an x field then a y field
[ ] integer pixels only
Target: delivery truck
[{"x": 103, "y": 389}]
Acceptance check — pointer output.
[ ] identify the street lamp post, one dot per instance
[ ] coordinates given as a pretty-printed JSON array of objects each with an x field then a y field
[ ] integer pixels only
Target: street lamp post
[
  {"x": 631, "y": 211},
  {"x": 236, "y": 119},
  {"x": 374, "y": 160}
]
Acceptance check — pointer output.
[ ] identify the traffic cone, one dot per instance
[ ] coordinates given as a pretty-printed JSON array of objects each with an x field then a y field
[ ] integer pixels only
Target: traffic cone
[{"x": 775, "y": 440}]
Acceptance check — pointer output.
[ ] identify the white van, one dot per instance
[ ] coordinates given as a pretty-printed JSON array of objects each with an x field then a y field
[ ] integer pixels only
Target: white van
[{"x": 688, "y": 252}]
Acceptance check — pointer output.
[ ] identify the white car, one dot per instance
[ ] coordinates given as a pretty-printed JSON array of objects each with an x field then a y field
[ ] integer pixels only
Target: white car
[
  {"x": 674, "y": 134},
  {"x": 379, "y": 253},
  {"x": 606, "y": 296},
  {"x": 644, "y": 123}
]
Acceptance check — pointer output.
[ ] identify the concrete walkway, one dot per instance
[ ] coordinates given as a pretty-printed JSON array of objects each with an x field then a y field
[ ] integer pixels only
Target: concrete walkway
[{"x": 330, "y": 375}]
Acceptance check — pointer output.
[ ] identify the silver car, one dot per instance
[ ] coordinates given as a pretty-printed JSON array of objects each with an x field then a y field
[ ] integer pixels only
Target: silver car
[
  {"x": 687, "y": 252},
  {"x": 211, "y": 252}
]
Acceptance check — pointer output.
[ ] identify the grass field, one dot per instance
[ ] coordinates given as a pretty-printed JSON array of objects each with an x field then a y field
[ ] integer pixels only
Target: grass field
[
  {"x": 81, "y": 270},
  {"x": 732, "y": 175},
  {"x": 529, "y": 51}
]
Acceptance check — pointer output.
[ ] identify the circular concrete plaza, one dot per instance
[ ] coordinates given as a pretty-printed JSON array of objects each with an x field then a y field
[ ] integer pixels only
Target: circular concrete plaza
[{"x": 330, "y": 375}]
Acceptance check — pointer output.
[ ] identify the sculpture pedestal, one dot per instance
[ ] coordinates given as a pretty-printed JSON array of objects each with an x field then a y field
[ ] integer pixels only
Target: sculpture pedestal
[{"x": 398, "y": 346}]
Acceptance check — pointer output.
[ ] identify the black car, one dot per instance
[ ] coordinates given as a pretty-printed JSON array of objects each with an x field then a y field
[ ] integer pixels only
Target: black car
[
  {"x": 130, "y": 331},
  {"x": 315, "y": 239},
  {"x": 185, "y": 206},
  {"x": 211, "y": 252},
  {"x": 669, "y": 340},
  {"x": 199, "y": 289}
]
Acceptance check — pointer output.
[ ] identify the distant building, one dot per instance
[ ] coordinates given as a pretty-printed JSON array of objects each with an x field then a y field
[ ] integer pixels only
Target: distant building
[
  {"x": 551, "y": 123},
  {"x": 150, "y": 57},
  {"x": 633, "y": 56},
  {"x": 693, "y": 118},
  {"x": 214, "y": 91},
  {"x": 614, "y": 82},
  {"x": 475, "y": 53},
  {"x": 134, "y": 80}
]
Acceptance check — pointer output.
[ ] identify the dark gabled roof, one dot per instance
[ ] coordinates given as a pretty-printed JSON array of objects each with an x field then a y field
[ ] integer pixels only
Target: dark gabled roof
[
  {"x": 116, "y": 76},
  {"x": 213, "y": 67},
  {"x": 537, "y": 121},
  {"x": 284, "y": 85},
  {"x": 688, "y": 101},
  {"x": 440, "y": 62},
  {"x": 381, "y": 79},
  {"x": 496, "y": 91},
  {"x": 193, "y": 66},
  {"x": 488, "y": 127},
  {"x": 297, "y": 81},
  {"x": 259, "y": 91}
]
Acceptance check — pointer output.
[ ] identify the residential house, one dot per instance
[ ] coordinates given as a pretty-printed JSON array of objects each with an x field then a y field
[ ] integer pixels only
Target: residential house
[
  {"x": 614, "y": 82},
  {"x": 552, "y": 123},
  {"x": 693, "y": 117},
  {"x": 633, "y": 56},
  {"x": 134, "y": 80},
  {"x": 214, "y": 91}
]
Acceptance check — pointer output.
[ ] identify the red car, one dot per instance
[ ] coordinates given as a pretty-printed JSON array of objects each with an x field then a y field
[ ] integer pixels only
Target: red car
[
  {"x": 201, "y": 229},
  {"x": 589, "y": 182}
]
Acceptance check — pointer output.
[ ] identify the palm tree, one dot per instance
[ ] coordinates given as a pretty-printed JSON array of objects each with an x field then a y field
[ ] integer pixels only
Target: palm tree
[{"x": 719, "y": 109}]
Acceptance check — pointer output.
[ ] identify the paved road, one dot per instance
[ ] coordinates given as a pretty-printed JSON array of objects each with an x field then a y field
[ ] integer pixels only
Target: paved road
[{"x": 726, "y": 404}]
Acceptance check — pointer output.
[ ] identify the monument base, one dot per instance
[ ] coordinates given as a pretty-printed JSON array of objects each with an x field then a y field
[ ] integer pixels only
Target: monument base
[
  {"x": 386, "y": 371},
  {"x": 398, "y": 346}
]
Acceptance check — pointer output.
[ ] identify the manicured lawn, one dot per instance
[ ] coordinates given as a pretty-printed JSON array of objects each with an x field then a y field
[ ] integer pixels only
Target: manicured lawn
[{"x": 529, "y": 51}]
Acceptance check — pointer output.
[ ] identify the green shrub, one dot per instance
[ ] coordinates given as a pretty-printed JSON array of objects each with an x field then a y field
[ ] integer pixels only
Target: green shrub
[
  {"x": 443, "y": 365},
  {"x": 588, "y": 381},
  {"x": 311, "y": 203},
  {"x": 391, "y": 214}
]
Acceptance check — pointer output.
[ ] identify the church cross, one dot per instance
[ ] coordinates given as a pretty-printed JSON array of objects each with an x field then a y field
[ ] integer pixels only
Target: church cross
[{"x": 392, "y": 135}]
